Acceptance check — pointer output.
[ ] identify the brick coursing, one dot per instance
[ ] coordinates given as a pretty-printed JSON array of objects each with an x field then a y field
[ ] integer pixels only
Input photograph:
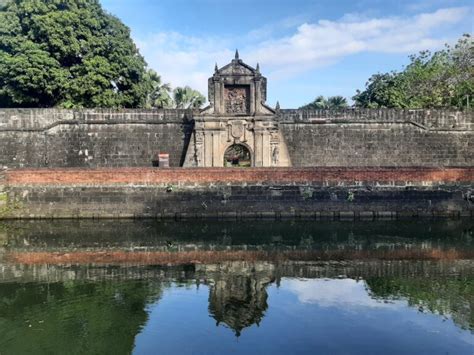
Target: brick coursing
[{"x": 152, "y": 176}]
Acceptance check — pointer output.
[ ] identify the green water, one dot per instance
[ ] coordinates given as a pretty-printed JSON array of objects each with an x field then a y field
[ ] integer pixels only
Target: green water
[{"x": 295, "y": 287}]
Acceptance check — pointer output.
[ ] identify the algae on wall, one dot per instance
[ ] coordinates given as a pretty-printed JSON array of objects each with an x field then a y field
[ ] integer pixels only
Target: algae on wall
[{"x": 8, "y": 206}]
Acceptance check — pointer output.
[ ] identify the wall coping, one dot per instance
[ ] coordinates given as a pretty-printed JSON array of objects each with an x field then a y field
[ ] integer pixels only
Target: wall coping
[{"x": 37, "y": 119}]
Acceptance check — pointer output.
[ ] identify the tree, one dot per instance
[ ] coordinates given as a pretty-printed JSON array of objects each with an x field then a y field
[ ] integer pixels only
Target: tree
[
  {"x": 321, "y": 103},
  {"x": 159, "y": 97},
  {"x": 68, "y": 53},
  {"x": 444, "y": 79},
  {"x": 382, "y": 90},
  {"x": 335, "y": 102},
  {"x": 185, "y": 98},
  {"x": 318, "y": 103}
]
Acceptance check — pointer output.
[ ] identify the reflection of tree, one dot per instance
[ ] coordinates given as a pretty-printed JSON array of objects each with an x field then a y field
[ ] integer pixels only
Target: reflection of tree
[
  {"x": 446, "y": 296},
  {"x": 238, "y": 300},
  {"x": 81, "y": 317}
]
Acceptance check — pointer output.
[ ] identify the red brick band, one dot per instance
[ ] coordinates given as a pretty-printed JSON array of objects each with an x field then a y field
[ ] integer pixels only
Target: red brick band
[{"x": 152, "y": 176}]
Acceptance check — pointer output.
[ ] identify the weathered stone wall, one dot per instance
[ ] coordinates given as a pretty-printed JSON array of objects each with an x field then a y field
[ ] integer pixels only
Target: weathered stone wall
[
  {"x": 357, "y": 138},
  {"x": 379, "y": 138},
  {"x": 239, "y": 193},
  {"x": 92, "y": 138}
]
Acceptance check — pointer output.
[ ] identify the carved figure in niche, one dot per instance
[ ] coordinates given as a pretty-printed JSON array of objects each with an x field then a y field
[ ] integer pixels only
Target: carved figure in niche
[
  {"x": 236, "y": 100},
  {"x": 275, "y": 155},
  {"x": 198, "y": 147}
]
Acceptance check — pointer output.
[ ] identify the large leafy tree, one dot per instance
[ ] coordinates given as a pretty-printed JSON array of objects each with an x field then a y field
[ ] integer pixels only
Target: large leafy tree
[
  {"x": 444, "y": 79},
  {"x": 68, "y": 53}
]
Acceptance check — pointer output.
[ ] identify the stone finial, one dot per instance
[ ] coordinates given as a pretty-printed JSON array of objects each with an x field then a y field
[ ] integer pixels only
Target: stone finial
[
  {"x": 236, "y": 54},
  {"x": 258, "y": 68},
  {"x": 216, "y": 69},
  {"x": 277, "y": 106}
]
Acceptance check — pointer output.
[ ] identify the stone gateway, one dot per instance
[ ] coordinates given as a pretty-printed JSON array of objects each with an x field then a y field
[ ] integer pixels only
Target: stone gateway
[{"x": 237, "y": 117}]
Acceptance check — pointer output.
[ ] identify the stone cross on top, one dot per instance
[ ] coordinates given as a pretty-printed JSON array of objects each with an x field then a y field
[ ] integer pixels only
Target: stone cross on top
[{"x": 237, "y": 89}]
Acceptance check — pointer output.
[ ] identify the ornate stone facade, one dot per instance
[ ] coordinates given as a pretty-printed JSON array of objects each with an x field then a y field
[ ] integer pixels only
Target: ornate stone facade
[{"x": 237, "y": 115}]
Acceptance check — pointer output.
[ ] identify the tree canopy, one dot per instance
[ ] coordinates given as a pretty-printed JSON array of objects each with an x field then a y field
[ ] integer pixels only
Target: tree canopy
[
  {"x": 443, "y": 79},
  {"x": 68, "y": 53}
]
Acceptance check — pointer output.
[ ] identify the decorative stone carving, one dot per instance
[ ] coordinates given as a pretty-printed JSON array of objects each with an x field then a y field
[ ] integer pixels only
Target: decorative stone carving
[
  {"x": 237, "y": 99},
  {"x": 237, "y": 129},
  {"x": 198, "y": 152},
  {"x": 275, "y": 155}
]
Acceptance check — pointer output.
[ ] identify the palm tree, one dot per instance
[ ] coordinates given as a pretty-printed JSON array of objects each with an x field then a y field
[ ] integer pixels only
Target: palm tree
[
  {"x": 185, "y": 98},
  {"x": 159, "y": 96},
  {"x": 335, "y": 102},
  {"x": 318, "y": 103}
]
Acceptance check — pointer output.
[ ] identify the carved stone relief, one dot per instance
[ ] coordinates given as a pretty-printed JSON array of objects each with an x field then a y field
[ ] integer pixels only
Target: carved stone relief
[{"x": 237, "y": 99}]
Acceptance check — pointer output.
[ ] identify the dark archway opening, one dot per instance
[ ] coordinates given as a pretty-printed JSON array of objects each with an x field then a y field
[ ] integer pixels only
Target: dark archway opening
[{"x": 237, "y": 155}]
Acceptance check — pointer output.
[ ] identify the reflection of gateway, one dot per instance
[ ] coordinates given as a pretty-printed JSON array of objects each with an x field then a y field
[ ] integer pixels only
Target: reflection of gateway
[
  {"x": 238, "y": 298},
  {"x": 237, "y": 114}
]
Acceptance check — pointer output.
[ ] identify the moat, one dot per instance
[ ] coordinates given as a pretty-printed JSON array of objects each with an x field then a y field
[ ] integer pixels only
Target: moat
[{"x": 145, "y": 286}]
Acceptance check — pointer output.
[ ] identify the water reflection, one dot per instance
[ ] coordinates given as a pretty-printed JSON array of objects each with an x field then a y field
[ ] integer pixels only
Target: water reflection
[
  {"x": 105, "y": 288},
  {"x": 238, "y": 298}
]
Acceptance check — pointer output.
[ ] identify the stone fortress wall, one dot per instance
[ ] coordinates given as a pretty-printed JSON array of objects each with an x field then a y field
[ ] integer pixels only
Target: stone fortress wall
[{"x": 32, "y": 138}]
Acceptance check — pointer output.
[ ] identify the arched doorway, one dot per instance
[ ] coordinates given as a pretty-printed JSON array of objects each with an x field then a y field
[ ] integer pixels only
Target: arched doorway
[{"x": 237, "y": 155}]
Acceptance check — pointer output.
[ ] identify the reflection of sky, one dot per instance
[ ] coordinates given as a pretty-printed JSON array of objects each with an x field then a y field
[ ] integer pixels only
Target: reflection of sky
[
  {"x": 303, "y": 317},
  {"x": 338, "y": 293}
]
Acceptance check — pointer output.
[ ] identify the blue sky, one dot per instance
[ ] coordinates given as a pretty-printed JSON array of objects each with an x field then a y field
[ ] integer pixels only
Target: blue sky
[{"x": 305, "y": 48}]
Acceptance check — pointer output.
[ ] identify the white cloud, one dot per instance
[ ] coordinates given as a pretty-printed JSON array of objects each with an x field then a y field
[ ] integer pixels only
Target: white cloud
[
  {"x": 186, "y": 60},
  {"x": 341, "y": 293},
  {"x": 323, "y": 42}
]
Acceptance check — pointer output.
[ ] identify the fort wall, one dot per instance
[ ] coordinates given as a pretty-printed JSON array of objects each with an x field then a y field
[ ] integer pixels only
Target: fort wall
[
  {"x": 238, "y": 193},
  {"x": 92, "y": 138},
  {"x": 132, "y": 138}
]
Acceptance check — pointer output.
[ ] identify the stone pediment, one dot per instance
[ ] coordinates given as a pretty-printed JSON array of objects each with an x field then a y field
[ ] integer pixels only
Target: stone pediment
[
  {"x": 237, "y": 89},
  {"x": 236, "y": 68}
]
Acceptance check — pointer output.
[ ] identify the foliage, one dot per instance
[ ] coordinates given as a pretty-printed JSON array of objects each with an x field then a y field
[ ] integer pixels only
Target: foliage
[
  {"x": 68, "y": 53},
  {"x": 74, "y": 317},
  {"x": 320, "y": 102},
  {"x": 185, "y": 97},
  {"x": 444, "y": 79},
  {"x": 159, "y": 96},
  {"x": 182, "y": 97},
  {"x": 446, "y": 296}
]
